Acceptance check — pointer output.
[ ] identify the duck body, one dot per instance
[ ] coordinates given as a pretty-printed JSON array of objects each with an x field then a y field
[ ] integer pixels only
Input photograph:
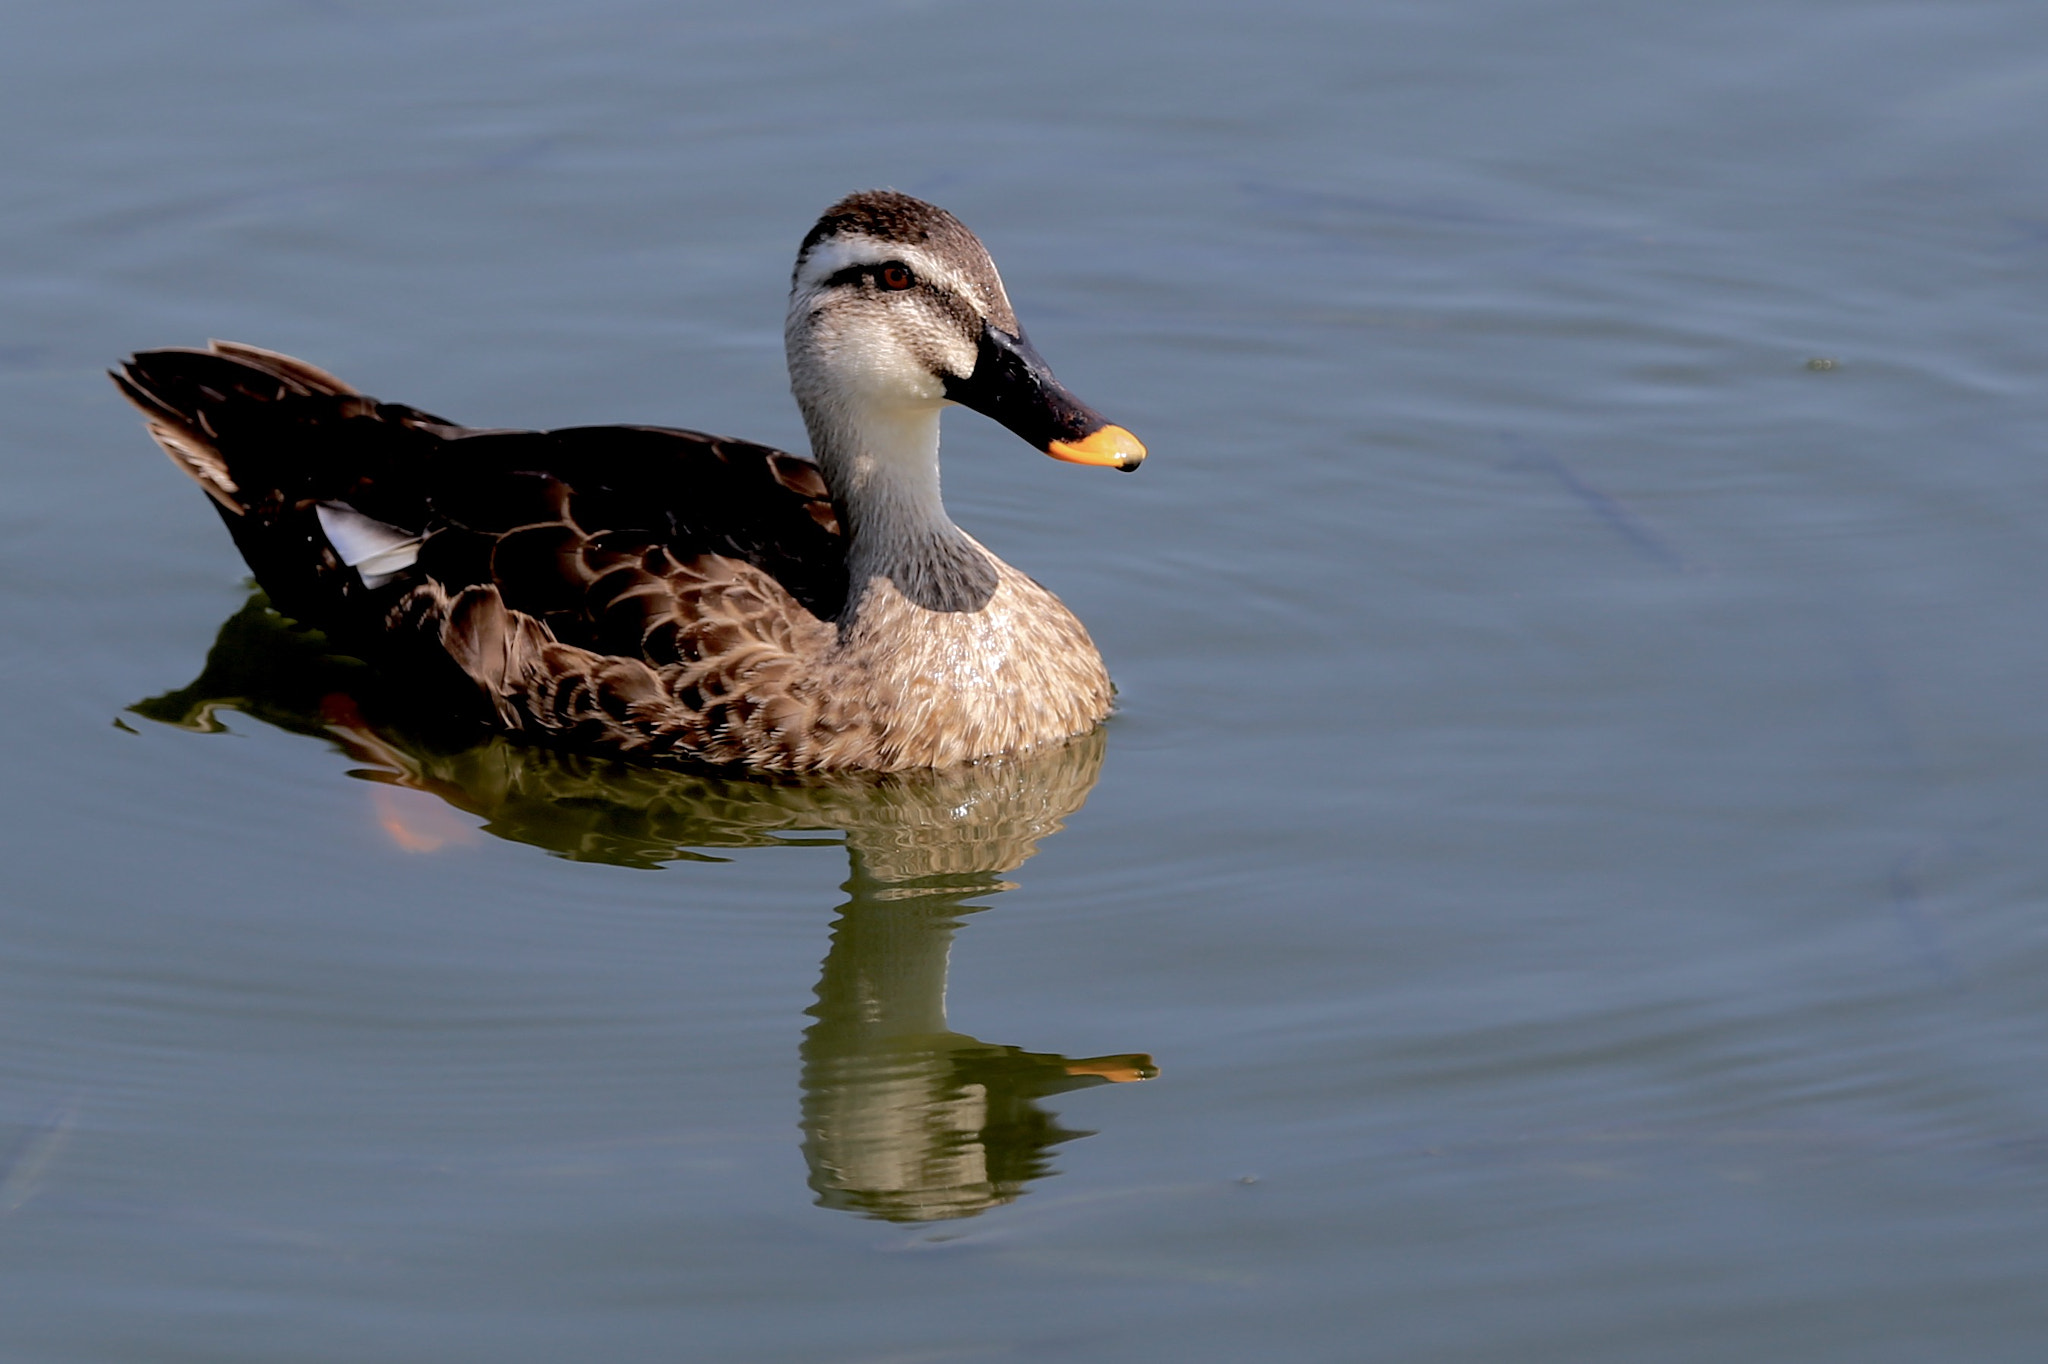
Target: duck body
[{"x": 667, "y": 594}]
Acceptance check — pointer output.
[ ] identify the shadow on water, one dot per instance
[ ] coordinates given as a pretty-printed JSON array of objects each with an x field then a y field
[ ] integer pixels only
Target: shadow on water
[{"x": 903, "y": 1119}]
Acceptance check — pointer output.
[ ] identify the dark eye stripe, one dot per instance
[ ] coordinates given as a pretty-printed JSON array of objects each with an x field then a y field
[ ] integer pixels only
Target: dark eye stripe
[{"x": 854, "y": 274}]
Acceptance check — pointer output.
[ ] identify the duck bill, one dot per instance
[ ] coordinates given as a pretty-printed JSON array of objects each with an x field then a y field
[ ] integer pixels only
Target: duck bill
[{"x": 1014, "y": 385}]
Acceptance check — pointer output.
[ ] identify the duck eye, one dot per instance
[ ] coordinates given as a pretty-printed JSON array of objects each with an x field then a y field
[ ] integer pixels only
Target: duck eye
[{"x": 895, "y": 275}]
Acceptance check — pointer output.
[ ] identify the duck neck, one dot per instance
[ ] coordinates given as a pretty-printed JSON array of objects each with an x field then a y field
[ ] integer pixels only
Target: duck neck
[{"x": 882, "y": 464}]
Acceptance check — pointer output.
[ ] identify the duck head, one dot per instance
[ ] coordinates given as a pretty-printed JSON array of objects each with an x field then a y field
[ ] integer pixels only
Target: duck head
[{"x": 895, "y": 312}]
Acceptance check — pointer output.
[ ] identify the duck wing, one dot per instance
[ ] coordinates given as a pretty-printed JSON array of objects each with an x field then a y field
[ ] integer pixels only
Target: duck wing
[{"x": 586, "y": 580}]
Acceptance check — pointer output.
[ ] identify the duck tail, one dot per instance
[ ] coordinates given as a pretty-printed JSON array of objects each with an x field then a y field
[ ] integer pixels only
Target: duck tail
[
  {"x": 191, "y": 398},
  {"x": 285, "y": 449}
]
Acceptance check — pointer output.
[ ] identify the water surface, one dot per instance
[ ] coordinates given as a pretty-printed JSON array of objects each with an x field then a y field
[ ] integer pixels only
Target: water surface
[{"x": 1565, "y": 880}]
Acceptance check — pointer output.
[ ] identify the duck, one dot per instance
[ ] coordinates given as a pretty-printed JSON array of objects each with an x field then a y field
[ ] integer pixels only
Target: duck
[{"x": 668, "y": 595}]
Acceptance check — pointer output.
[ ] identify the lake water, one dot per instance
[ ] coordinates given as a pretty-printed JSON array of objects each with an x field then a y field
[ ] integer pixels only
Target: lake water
[{"x": 1567, "y": 880}]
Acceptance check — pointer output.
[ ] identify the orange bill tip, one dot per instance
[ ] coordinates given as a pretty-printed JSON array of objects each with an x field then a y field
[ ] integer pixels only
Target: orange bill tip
[{"x": 1109, "y": 445}]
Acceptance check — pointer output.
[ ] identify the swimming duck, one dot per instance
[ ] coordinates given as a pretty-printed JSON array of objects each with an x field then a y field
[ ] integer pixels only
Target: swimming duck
[{"x": 672, "y": 595}]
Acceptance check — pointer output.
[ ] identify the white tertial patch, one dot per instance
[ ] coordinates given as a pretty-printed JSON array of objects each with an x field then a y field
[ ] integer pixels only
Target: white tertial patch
[{"x": 378, "y": 551}]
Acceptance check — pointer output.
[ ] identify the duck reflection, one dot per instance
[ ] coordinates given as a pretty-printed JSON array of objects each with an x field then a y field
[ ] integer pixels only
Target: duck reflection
[{"x": 903, "y": 1118}]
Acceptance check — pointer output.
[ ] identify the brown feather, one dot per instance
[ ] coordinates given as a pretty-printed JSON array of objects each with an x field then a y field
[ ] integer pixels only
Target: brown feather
[{"x": 638, "y": 590}]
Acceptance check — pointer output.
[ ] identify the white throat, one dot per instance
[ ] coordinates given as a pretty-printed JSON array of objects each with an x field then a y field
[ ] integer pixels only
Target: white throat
[{"x": 882, "y": 462}]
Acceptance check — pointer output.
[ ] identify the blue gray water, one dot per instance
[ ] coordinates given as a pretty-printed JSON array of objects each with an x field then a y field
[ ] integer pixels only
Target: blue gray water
[{"x": 1569, "y": 861}]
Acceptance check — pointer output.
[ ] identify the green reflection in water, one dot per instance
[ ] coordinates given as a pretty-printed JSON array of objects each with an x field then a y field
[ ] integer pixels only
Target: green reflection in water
[{"x": 903, "y": 1118}]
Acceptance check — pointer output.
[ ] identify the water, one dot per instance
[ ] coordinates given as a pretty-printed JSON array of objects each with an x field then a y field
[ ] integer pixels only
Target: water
[{"x": 1570, "y": 848}]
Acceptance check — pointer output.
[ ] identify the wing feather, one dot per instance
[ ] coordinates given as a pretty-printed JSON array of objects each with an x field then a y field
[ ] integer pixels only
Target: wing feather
[{"x": 633, "y": 588}]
